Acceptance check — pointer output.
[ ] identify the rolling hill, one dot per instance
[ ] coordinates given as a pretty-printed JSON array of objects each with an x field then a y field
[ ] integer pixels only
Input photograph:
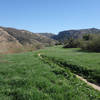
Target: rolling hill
[{"x": 14, "y": 40}]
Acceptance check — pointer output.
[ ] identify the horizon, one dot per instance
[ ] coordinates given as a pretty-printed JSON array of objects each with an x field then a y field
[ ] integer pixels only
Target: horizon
[
  {"x": 49, "y": 16},
  {"x": 50, "y": 32}
]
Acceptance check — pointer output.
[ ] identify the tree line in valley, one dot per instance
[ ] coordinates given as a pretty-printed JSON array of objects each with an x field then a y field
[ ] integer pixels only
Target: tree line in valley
[
  {"x": 86, "y": 39},
  {"x": 88, "y": 42}
]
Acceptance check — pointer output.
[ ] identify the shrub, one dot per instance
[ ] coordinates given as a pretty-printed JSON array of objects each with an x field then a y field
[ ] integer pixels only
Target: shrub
[
  {"x": 72, "y": 43},
  {"x": 93, "y": 44},
  {"x": 86, "y": 37}
]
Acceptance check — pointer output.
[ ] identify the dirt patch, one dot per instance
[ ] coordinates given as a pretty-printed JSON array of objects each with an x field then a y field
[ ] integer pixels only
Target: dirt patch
[
  {"x": 5, "y": 61},
  {"x": 90, "y": 84}
]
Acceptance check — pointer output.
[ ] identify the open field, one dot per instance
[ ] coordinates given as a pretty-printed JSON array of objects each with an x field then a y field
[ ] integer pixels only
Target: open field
[
  {"x": 26, "y": 76},
  {"x": 86, "y": 64}
]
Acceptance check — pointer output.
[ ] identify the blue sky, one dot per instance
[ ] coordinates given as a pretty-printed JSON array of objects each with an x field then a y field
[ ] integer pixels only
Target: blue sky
[{"x": 50, "y": 15}]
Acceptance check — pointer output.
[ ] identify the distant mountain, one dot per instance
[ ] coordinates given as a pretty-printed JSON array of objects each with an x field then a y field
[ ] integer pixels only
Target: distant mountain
[
  {"x": 64, "y": 35},
  {"x": 14, "y": 40},
  {"x": 49, "y": 35}
]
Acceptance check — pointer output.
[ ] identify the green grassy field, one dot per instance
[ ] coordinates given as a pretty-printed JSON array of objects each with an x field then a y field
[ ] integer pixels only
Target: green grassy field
[
  {"x": 25, "y": 76},
  {"x": 86, "y": 64}
]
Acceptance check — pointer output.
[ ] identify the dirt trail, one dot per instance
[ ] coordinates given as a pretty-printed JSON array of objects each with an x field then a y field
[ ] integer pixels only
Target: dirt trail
[
  {"x": 40, "y": 55},
  {"x": 90, "y": 84},
  {"x": 96, "y": 87}
]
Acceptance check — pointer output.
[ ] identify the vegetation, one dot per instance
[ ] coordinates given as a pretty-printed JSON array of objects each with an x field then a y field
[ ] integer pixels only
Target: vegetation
[
  {"x": 91, "y": 43},
  {"x": 25, "y": 76},
  {"x": 72, "y": 43},
  {"x": 75, "y": 34},
  {"x": 79, "y": 62}
]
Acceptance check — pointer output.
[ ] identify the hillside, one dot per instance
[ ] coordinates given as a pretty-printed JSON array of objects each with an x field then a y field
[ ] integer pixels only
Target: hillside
[
  {"x": 11, "y": 38},
  {"x": 64, "y": 35},
  {"x": 49, "y": 35},
  {"x": 14, "y": 40},
  {"x": 8, "y": 42}
]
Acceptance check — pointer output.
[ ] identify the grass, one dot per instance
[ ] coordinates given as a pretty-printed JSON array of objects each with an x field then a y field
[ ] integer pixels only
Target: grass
[
  {"x": 86, "y": 64},
  {"x": 25, "y": 76}
]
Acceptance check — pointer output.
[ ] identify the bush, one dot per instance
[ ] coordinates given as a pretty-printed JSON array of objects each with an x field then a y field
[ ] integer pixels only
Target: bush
[
  {"x": 72, "y": 43},
  {"x": 93, "y": 44},
  {"x": 86, "y": 37},
  {"x": 89, "y": 42}
]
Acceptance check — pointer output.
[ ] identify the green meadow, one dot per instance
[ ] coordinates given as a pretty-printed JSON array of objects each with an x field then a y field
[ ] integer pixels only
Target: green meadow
[
  {"x": 27, "y": 76},
  {"x": 86, "y": 64}
]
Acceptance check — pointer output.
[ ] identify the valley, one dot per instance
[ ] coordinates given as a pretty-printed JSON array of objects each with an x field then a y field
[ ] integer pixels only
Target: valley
[{"x": 49, "y": 50}]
